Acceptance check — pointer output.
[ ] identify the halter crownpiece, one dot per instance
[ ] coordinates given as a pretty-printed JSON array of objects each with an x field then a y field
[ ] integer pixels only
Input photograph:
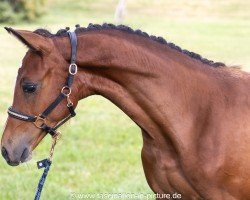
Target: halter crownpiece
[{"x": 40, "y": 120}]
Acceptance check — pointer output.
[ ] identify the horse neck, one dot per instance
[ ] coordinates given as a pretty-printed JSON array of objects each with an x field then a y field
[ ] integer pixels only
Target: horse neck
[{"x": 150, "y": 82}]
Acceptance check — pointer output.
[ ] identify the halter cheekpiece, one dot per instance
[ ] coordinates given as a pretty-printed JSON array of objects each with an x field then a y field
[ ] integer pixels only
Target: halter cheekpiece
[{"x": 40, "y": 120}]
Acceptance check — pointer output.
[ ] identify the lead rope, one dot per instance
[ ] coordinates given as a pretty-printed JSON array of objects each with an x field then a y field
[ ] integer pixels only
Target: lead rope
[{"x": 46, "y": 163}]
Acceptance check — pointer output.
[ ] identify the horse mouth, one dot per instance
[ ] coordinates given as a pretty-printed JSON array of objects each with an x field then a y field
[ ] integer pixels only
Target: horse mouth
[{"x": 13, "y": 164}]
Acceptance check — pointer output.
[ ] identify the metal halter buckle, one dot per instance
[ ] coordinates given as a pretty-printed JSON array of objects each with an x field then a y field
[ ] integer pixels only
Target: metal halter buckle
[
  {"x": 66, "y": 90},
  {"x": 40, "y": 121},
  {"x": 73, "y": 69}
]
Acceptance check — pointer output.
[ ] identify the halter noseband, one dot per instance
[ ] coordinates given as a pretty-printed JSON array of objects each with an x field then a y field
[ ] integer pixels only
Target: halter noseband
[{"x": 40, "y": 120}]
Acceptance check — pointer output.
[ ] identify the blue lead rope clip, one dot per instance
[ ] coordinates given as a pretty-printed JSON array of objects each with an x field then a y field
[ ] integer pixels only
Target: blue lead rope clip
[{"x": 43, "y": 163}]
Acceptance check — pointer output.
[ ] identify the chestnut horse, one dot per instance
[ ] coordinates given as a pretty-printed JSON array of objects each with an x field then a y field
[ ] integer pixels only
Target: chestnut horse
[{"x": 194, "y": 113}]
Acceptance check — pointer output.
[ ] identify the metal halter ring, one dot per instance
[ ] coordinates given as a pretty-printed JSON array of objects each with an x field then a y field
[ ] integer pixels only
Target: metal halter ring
[
  {"x": 73, "y": 71},
  {"x": 40, "y": 121},
  {"x": 66, "y": 90}
]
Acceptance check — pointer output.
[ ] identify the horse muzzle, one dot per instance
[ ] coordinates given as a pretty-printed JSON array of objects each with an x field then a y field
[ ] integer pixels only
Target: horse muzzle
[{"x": 17, "y": 155}]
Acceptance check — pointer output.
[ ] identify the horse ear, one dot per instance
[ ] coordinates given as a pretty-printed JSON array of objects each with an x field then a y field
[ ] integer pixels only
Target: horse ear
[{"x": 32, "y": 40}]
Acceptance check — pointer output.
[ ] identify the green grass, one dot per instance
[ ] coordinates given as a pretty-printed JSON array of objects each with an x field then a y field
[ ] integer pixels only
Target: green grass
[{"x": 100, "y": 148}]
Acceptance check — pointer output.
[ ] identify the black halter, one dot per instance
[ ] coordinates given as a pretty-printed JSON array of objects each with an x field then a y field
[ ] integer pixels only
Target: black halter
[{"x": 40, "y": 120}]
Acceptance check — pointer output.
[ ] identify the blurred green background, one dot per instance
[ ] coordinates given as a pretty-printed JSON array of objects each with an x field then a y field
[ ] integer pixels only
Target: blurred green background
[{"x": 100, "y": 148}]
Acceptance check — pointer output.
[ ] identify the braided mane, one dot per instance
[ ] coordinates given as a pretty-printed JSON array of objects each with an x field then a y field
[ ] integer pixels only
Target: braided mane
[{"x": 63, "y": 33}]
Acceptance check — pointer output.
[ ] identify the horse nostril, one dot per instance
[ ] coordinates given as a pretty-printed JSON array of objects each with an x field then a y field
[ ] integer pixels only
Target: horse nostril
[{"x": 5, "y": 153}]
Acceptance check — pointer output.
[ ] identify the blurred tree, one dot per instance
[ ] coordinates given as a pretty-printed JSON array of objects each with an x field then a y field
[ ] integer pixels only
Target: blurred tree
[
  {"x": 12, "y": 11},
  {"x": 6, "y": 12}
]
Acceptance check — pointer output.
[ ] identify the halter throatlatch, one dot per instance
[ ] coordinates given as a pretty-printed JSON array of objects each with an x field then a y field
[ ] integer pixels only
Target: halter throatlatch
[{"x": 40, "y": 121}]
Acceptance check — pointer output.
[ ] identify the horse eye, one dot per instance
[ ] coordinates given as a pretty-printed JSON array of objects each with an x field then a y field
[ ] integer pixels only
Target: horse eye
[{"x": 29, "y": 87}]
